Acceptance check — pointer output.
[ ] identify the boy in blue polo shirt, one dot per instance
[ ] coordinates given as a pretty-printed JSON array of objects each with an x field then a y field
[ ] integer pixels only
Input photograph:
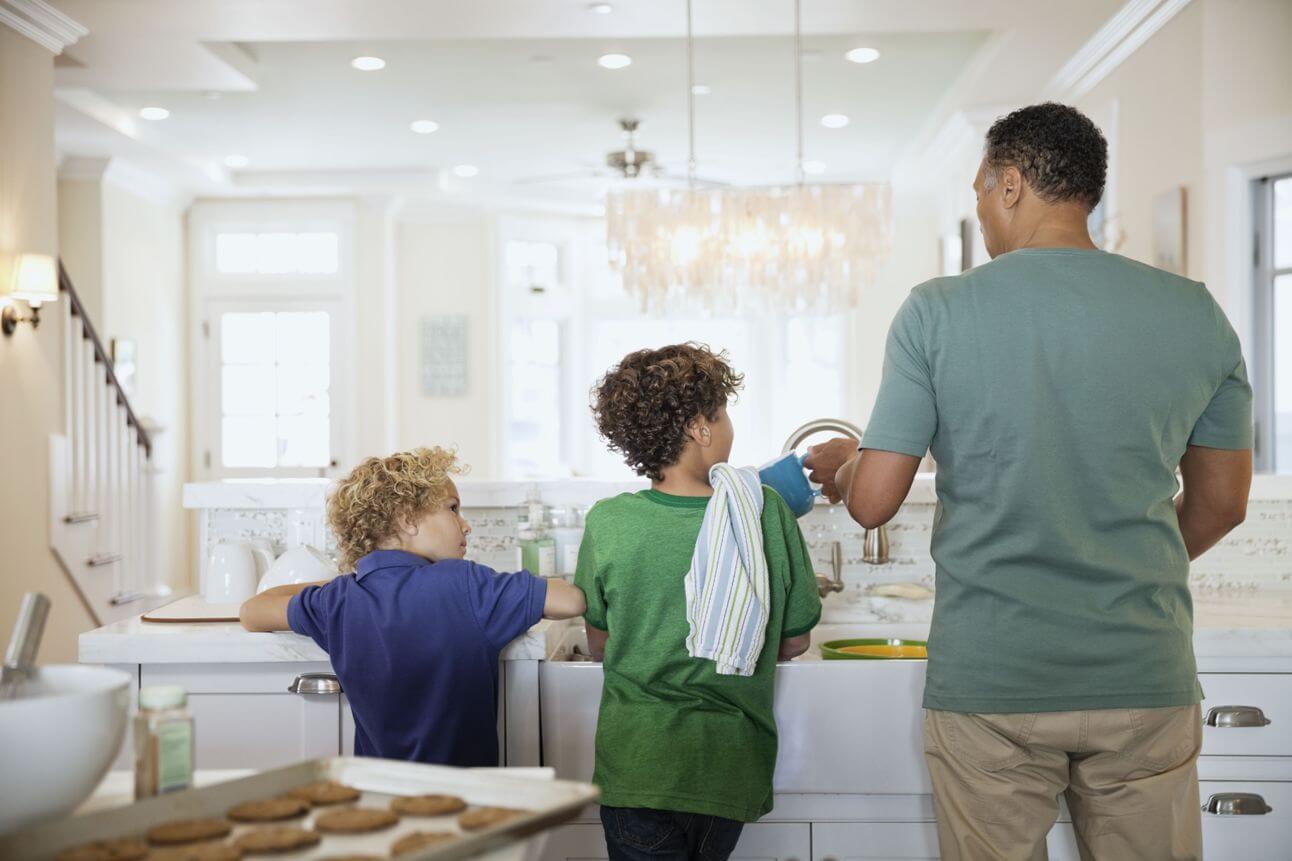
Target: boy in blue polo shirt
[{"x": 415, "y": 633}]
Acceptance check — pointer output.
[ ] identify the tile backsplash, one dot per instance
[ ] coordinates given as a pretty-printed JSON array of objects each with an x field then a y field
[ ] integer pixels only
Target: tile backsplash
[{"x": 1257, "y": 555}]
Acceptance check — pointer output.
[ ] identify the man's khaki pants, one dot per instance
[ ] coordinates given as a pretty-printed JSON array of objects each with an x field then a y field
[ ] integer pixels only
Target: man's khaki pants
[{"x": 1130, "y": 777}]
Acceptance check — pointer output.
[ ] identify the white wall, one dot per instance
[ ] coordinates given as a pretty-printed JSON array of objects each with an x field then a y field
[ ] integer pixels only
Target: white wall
[
  {"x": 30, "y": 361},
  {"x": 445, "y": 264}
]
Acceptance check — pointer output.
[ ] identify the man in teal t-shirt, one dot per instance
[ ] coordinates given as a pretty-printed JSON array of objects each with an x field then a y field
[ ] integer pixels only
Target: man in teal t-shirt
[
  {"x": 684, "y": 755},
  {"x": 1059, "y": 388}
]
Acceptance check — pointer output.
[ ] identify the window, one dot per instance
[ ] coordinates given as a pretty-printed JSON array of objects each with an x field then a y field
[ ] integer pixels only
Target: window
[
  {"x": 276, "y": 253},
  {"x": 274, "y": 381},
  {"x": 274, "y": 389},
  {"x": 1272, "y": 360}
]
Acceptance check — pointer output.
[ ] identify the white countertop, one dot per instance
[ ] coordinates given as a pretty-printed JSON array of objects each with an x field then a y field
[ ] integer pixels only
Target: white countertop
[
  {"x": 132, "y": 641},
  {"x": 1244, "y": 632}
]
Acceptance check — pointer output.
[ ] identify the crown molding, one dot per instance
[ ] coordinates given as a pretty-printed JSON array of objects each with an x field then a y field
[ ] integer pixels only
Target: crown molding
[
  {"x": 1123, "y": 34},
  {"x": 42, "y": 23}
]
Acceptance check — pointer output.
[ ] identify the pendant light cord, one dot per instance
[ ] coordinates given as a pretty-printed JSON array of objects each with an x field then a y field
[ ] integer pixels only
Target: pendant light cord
[
  {"x": 798, "y": 89},
  {"x": 690, "y": 98}
]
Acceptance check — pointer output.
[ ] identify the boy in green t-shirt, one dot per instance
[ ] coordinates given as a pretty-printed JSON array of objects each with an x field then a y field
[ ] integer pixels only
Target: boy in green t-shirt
[{"x": 684, "y": 756}]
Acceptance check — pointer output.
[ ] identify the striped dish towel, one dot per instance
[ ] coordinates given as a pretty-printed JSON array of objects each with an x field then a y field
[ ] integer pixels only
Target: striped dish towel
[{"x": 726, "y": 587}]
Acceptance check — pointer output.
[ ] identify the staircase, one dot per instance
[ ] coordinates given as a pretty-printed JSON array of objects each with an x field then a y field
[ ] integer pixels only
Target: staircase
[{"x": 102, "y": 517}]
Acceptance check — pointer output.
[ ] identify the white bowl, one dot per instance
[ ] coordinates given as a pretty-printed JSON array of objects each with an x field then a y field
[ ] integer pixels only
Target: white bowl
[
  {"x": 58, "y": 739},
  {"x": 302, "y": 564}
]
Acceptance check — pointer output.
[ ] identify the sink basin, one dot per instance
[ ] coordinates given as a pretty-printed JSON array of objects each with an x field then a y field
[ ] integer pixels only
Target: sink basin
[{"x": 58, "y": 739}]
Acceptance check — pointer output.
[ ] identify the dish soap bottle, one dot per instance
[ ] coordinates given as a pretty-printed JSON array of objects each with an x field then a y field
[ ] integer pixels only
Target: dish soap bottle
[
  {"x": 537, "y": 548},
  {"x": 163, "y": 735}
]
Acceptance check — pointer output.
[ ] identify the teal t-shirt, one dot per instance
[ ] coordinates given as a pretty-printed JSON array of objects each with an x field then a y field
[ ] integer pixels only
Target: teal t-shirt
[
  {"x": 672, "y": 734},
  {"x": 1058, "y": 390}
]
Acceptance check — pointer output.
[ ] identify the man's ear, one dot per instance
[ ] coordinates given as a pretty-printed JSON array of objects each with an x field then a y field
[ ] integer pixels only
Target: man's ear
[{"x": 1011, "y": 187}]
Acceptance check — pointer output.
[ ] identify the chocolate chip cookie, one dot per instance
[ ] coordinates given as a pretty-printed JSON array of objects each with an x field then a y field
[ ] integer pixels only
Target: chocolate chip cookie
[
  {"x": 188, "y": 831},
  {"x": 120, "y": 849},
  {"x": 276, "y": 838},
  {"x": 268, "y": 810},
  {"x": 483, "y": 817},
  {"x": 419, "y": 840},
  {"x": 325, "y": 792},
  {"x": 427, "y": 805},
  {"x": 354, "y": 820}
]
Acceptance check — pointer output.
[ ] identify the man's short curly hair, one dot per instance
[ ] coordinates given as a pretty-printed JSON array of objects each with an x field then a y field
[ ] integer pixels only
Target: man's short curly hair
[
  {"x": 1060, "y": 153},
  {"x": 368, "y": 505},
  {"x": 644, "y": 404}
]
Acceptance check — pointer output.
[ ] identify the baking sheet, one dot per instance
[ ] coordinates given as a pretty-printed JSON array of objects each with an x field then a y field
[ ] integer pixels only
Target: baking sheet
[
  {"x": 547, "y": 803},
  {"x": 192, "y": 609}
]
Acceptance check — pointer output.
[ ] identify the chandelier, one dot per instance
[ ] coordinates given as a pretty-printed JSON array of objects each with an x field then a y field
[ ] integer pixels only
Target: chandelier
[{"x": 787, "y": 247}]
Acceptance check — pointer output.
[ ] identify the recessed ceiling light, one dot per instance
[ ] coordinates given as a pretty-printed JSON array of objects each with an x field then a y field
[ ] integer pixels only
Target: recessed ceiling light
[
  {"x": 154, "y": 113},
  {"x": 600, "y": 8},
  {"x": 466, "y": 171},
  {"x": 814, "y": 168},
  {"x": 236, "y": 161},
  {"x": 614, "y": 61},
  {"x": 862, "y": 55},
  {"x": 424, "y": 127},
  {"x": 368, "y": 64},
  {"x": 700, "y": 89},
  {"x": 834, "y": 121}
]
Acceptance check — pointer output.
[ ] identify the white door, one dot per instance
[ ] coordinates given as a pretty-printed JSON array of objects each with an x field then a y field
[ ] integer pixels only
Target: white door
[{"x": 245, "y": 717}]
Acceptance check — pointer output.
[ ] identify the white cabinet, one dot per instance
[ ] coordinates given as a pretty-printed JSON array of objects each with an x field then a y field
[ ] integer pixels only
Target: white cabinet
[
  {"x": 1234, "y": 706},
  {"x": 245, "y": 717},
  {"x": 874, "y": 841},
  {"x": 759, "y": 841},
  {"x": 1252, "y": 837}
]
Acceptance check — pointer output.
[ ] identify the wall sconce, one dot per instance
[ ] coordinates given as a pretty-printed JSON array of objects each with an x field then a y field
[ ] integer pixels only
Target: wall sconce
[{"x": 35, "y": 281}]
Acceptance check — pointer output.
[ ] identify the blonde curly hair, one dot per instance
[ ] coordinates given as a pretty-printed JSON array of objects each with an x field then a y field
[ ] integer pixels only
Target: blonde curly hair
[{"x": 368, "y": 505}]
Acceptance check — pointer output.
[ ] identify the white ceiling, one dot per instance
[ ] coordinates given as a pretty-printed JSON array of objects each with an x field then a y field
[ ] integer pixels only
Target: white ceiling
[{"x": 516, "y": 90}]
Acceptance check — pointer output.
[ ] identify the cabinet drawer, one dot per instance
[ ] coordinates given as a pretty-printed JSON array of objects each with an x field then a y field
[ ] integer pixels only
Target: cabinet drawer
[
  {"x": 1269, "y": 692},
  {"x": 874, "y": 841},
  {"x": 759, "y": 841},
  {"x": 1252, "y": 838}
]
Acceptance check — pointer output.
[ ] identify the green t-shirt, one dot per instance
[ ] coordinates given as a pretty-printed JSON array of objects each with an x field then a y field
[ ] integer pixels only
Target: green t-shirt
[
  {"x": 1058, "y": 390},
  {"x": 672, "y": 733}
]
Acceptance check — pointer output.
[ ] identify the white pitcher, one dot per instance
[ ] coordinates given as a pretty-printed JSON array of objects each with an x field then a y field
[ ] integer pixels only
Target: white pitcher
[{"x": 233, "y": 570}]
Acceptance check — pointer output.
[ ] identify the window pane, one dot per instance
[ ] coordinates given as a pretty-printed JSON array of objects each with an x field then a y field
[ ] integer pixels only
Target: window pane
[
  {"x": 247, "y": 390},
  {"x": 302, "y": 390},
  {"x": 302, "y": 441},
  {"x": 277, "y": 253},
  {"x": 247, "y": 338},
  {"x": 317, "y": 253},
  {"x": 248, "y": 442},
  {"x": 1283, "y": 223},
  {"x": 1283, "y": 373},
  {"x": 235, "y": 253},
  {"x": 303, "y": 337},
  {"x": 532, "y": 264}
]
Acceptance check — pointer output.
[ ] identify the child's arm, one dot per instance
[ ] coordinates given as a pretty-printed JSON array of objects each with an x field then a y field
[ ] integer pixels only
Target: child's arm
[
  {"x": 596, "y": 641},
  {"x": 792, "y": 647},
  {"x": 268, "y": 610},
  {"x": 564, "y": 600}
]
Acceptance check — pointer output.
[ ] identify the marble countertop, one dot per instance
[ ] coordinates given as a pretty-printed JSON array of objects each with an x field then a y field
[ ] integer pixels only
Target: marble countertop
[
  {"x": 132, "y": 641},
  {"x": 1243, "y": 632}
]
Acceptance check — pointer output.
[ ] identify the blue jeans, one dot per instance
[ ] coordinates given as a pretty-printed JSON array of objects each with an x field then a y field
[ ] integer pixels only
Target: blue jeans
[{"x": 641, "y": 834}]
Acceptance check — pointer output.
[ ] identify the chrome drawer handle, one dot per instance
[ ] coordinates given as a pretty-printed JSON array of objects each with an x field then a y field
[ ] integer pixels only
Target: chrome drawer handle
[
  {"x": 1236, "y": 716},
  {"x": 1236, "y": 804},
  {"x": 310, "y": 684}
]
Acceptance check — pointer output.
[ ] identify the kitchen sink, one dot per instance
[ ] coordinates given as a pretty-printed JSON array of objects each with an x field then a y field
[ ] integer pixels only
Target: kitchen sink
[{"x": 845, "y": 726}]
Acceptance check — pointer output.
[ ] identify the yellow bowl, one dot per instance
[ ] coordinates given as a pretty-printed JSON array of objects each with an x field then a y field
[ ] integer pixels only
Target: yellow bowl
[{"x": 891, "y": 649}]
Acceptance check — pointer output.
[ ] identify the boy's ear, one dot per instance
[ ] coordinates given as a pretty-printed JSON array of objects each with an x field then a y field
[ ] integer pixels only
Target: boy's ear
[{"x": 698, "y": 430}]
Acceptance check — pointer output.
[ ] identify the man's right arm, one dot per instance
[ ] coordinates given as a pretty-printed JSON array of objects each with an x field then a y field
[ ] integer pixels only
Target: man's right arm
[{"x": 1214, "y": 499}]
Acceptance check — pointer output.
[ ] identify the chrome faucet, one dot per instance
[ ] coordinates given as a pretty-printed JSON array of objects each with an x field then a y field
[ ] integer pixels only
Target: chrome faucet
[
  {"x": 825, "y": 585},
  {"x": 876, "y": 540}
]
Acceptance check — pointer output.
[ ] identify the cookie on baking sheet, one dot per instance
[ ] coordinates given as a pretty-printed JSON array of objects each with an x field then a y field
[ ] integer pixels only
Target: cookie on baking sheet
[
  {"x": 214, "y": 851},
  {"x": 268, "y": 810},
  {"x": 419, "y": 840},
  {"x": 427, "y": 805},
  {"x": 355, "y": 858},
  {"x": 188, "y": 831},
  {"x": 325, "y": 792},
  {"x": 354, "y": 820},
  {"x": 483, "y": 817},
  {"x": 276, "y": 838},
  {"x": 120, "y": 849}
]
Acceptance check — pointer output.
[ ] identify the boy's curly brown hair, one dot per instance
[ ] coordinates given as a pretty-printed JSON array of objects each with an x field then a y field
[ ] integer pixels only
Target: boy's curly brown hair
[
  {"x": 368, "y": 505},
  {"x": 643, "y": 405}
]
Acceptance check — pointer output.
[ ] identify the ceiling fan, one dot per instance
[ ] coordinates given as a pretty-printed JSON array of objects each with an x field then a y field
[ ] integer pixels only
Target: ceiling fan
[{"x": 622, "y": 166}]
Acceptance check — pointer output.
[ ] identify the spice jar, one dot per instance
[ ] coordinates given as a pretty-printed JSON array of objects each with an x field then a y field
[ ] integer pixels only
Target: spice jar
[{"x": 163, "y": 735}]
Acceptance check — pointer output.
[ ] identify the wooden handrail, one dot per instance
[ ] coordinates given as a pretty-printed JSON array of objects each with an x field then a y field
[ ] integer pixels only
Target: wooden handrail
[{"x": 101, "y": 356}]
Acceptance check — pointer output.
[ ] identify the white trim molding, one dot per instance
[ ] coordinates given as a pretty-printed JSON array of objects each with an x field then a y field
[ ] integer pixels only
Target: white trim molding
[
  {"x": 42, "y": 23},
  {"x": 1124, "y": 33}
]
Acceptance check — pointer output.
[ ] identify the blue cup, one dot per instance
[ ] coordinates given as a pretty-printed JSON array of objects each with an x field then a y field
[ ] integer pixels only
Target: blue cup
[{"x": 786, "y": 476}]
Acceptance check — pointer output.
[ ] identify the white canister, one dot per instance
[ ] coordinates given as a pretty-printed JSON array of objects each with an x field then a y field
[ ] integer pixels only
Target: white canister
[{"x": 233, "y": 570}]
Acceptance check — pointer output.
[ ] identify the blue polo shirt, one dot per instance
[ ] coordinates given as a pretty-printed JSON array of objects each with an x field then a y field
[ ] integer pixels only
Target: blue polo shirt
[{"x": 415, "y": 644}]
